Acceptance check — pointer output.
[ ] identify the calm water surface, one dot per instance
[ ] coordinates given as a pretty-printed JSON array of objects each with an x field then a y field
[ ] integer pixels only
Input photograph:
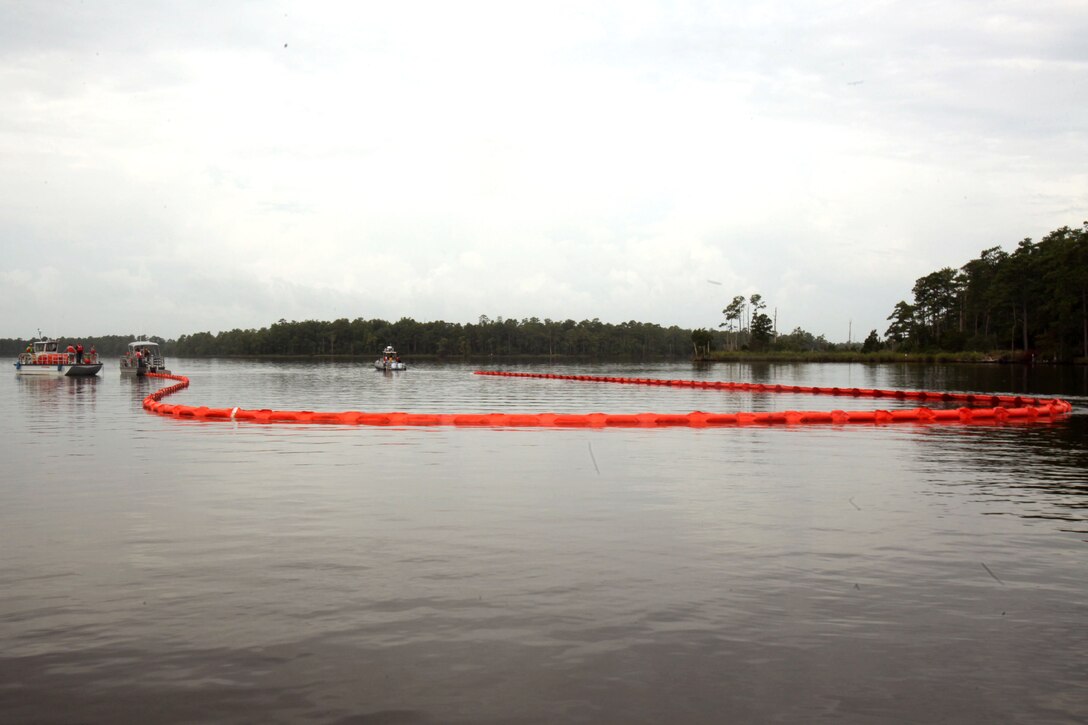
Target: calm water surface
[{"x": 169, "y": 571}]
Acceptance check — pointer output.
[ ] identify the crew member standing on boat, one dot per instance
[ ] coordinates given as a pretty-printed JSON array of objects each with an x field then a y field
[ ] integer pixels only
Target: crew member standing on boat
[
  {"x": 71, "y": 352},
  {"x": 79, "y": 353}
]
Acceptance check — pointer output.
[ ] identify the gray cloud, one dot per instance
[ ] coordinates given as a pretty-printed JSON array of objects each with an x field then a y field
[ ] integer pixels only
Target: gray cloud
[{"x": 523, "y": 160}]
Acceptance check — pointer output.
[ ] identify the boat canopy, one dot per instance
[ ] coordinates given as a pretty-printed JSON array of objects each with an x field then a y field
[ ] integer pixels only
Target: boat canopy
[
  {"x": 45, "y": 346},
  {"x": 389, "y": 350},
  {"x": 143, "y": 345}
]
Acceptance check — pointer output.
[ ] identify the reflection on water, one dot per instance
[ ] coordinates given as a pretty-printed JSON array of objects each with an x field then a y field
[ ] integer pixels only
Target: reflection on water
[
  {"x": 1035, "y": 473},
  {"x": 57, "y": 394},
  {"x": 153, "y": 569}
]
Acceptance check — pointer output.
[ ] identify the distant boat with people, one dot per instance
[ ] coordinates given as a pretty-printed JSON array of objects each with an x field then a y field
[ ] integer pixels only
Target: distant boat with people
[
  {"x": 44, "y": 357},
  {"x": 389, "y": 360},
  {"x": 142, "y": 357}
]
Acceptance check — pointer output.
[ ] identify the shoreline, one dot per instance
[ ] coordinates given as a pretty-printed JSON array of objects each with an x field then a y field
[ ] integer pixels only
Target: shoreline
[{"x": 884, "y": 357}]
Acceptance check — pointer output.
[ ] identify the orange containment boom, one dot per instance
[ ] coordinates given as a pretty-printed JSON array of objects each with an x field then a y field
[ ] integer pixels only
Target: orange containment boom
[{"x": 976, "y": 409}]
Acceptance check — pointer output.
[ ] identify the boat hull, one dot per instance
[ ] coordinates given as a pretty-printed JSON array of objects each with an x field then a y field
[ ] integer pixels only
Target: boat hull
[
  {"x": 379, "y": 365},
  {"x": 140, "y": 372},
  {"x": 82, "y": 370}
]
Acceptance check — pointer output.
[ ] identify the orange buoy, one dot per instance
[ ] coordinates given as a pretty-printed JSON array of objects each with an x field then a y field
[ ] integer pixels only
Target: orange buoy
[{"x": 971, "y": 410}]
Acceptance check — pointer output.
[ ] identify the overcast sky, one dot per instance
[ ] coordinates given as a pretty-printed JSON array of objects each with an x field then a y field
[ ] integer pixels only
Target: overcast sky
[{"x": 168, "y": 168}]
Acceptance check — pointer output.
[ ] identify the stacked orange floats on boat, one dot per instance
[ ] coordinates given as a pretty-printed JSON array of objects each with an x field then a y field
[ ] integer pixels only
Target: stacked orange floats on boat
[
  {"x": 975, "y": 409},
  {"x": 44, "y": 357}
]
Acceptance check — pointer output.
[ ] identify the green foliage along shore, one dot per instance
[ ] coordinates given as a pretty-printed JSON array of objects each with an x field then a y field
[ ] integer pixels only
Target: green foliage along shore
[
  {"x": 1033, "y": 300},
  {"x": 1030, "y": 305},
  {"x": 530, "y": 337},
  {"x": 364, "y": 338}
]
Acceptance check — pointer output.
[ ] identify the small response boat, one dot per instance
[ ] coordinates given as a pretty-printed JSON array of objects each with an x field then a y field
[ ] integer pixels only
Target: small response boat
[
  {"x": 389, "y": 360},
  {"x": 44, "y": 357},
  {"x": 142, "y": 357}
]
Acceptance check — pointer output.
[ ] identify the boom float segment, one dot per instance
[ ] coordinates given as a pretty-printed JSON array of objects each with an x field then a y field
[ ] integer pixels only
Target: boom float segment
[{"x": 974, "y": 409}]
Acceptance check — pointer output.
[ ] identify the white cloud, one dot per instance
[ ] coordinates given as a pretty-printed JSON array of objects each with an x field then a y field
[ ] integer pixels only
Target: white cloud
[{"x": 438, "y": 160}]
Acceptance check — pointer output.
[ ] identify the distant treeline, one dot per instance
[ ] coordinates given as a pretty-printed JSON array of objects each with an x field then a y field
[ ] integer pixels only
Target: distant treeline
[
  {"x": 360, "y": 337},
  {"x": 363, "y": 338},
  {"x": 105, "y": 345},
  {"x": 1034, "y": 300}
]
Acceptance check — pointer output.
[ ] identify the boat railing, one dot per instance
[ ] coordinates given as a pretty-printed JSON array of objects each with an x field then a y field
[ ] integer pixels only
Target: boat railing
[
  {"x": 56, "y": 358},
  {"x": 128, "y": 360},
  {"x": 48, "y": 358}
]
